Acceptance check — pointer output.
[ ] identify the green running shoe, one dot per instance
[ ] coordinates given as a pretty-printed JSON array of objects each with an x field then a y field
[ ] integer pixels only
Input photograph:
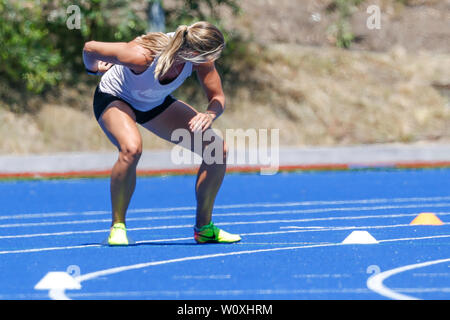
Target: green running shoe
[
  {"x": 211, "y": 234},
  {"x": 118, "y": 235}
]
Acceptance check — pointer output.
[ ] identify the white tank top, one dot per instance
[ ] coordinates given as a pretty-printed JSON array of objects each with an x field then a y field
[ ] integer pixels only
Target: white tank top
[{"x": 142, "y": 91}]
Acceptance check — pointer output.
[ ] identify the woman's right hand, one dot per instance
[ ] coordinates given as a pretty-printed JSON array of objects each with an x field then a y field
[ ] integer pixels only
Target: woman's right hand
[{"x": 103, "y": 67}]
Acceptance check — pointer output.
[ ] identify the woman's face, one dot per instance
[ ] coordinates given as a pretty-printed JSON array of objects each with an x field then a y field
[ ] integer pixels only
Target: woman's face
[
  {"x": 204, "y": 59},
  {"x": 194, "y": 54}
]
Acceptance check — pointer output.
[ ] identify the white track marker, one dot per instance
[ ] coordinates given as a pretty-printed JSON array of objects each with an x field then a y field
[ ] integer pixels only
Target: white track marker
[
  {"x": 56, "y": 283},
  {"x": 360, "y": 237}
]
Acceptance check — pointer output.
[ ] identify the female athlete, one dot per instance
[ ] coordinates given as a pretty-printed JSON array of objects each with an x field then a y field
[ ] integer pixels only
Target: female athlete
[{"x": 137, "y": 80}]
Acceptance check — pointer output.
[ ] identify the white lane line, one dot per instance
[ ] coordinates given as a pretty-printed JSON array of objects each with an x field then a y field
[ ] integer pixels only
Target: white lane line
[
  {"x": 49, "y": 249},
  {"x": 164, "y": 240},
  {"x": 422, "y": 290},
  {"x": 375, "y": 282},
  {"x": 321, "y": 275},
  {"x": 232, "y": 206},
  {"x": 255, "y": 213},
  {"x": 301, "y": 227},
  {"x": 178, "y": 293},
  {"x": 238, "y": 292},
  {"x": 51, "y": 234},
  {"x": 218, "y": 293},
  {"x": 202, "y": 277},
  {"x": 379, "y": 216},
  {"x": 278, "y": 243},
  {"x": 39, "y": 215},
  {"x": 65, "y": 233},
  {"x": 87, "y": 246},
  {"x": 242, "y": 234},
  {"x": 110, "y": 271},
  {"x": 432, "y": 275},
  {"x": 417, "y": 238},
  {"x": 24, "y": 296}
]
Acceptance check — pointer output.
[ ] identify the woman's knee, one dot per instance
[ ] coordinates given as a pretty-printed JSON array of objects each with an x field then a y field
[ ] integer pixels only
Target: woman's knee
[{"x": 130, "y": 152}]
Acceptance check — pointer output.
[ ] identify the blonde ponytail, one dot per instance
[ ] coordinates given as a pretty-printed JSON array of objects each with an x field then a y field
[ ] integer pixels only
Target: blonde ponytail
[
  {"x": 154, "y": 42},
  {"x": 198, "y": 43},
  {"x": 168, "y": 56}
]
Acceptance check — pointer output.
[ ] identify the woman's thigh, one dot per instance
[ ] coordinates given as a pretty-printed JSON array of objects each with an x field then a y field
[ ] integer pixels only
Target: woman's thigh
[
  {"x": 119, "y": 124},
  {"x": 173, "y": 125},
  {"x": 176, "y": 116}
]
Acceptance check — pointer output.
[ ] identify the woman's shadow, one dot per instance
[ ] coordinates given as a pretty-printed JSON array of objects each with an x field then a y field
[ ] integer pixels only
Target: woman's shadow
[{"x": 133, "y": 243}]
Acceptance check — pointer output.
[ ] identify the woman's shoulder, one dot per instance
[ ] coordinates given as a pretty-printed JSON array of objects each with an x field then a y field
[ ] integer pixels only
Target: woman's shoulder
[
  {"x": 144, "y": 53},
  {"x": 142, "y": 56}
]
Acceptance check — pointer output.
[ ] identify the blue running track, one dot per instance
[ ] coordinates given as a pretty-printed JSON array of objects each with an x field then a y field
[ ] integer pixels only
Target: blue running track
[{"x": 292, "y": 226}]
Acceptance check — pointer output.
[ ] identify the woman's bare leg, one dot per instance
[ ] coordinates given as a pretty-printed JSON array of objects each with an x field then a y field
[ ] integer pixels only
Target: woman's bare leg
[
  {"x": 209, "y": 176},
  {"x": 118, "y": 123}
]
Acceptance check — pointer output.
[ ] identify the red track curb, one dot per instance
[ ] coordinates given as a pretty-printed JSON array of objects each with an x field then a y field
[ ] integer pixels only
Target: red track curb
[{"x": 243, "y": 169}]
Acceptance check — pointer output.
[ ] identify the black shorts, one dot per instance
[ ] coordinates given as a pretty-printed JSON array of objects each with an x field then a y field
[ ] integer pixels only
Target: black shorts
[{"x": 102, "y": 100}]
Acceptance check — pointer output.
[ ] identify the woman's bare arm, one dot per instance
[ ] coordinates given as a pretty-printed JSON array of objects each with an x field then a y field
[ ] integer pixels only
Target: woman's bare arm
[
  {"x": 128, "y": 54},
  {"x": 212, "y": 85}
]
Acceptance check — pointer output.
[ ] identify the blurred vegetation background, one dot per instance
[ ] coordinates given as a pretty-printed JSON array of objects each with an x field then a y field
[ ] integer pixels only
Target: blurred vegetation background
[
  {"x": 41, "y": 51},
  {"x": 311, "y": 68}
]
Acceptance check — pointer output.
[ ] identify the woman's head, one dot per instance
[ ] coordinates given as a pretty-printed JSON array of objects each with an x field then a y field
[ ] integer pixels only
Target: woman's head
[{"x": 198, "y": 43}]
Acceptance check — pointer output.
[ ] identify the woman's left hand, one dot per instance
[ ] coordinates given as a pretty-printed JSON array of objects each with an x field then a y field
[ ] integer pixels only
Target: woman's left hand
[{"x": 201, "y": 122}]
